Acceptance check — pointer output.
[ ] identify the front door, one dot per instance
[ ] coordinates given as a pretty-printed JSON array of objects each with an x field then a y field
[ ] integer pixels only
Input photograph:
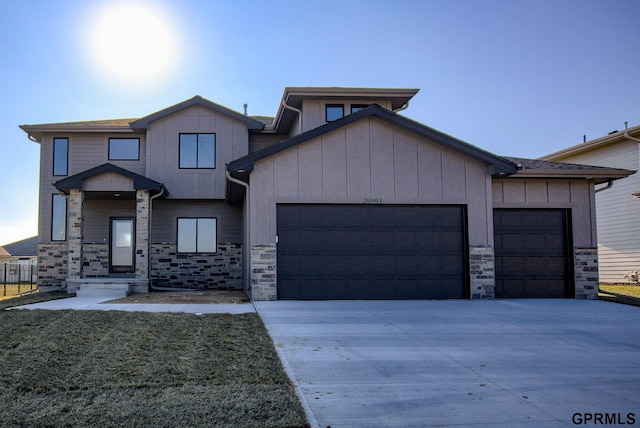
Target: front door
[{"x": 121, "y": 251}]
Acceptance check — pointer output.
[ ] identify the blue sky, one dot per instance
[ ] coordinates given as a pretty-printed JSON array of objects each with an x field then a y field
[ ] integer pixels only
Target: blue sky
[{"x": 515, "y": 77}]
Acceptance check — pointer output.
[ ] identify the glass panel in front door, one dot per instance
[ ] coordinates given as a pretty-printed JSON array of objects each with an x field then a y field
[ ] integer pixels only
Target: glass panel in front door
[{"x": 122, "y": 245}]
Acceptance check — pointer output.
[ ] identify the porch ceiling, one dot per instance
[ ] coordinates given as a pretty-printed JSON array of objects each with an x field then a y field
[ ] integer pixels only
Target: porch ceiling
[{"x": 109, "y": 195}]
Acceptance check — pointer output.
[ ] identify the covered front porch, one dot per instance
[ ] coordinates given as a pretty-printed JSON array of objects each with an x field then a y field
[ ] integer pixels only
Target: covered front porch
[{"x": 108, "y": 224}]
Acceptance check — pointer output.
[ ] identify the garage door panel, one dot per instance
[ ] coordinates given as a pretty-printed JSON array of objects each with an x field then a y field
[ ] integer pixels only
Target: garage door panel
[
  {"x": 532, "y": 253},
  {"x": 372, "y": 251}
]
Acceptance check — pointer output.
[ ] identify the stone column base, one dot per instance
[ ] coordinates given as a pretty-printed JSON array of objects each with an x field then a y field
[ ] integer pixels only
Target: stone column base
[
  {"x": 481, "y": 272},
  {"x": 264, "y": 284},
  {"x": 585, "y": 264}
]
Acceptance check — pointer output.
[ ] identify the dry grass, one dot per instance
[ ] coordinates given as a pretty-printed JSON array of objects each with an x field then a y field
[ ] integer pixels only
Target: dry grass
[
  {"x": 88, "y": 368},
  {"x": 33, "y": 298},
  {"x": 627, "y": 290},
  {"x": 8, "y": 291}
]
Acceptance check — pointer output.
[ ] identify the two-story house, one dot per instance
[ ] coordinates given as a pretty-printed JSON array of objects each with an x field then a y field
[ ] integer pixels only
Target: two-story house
[{"x": 336, "y": 197}]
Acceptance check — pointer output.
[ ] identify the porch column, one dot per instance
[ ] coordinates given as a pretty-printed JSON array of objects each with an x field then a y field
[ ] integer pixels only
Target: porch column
[
  {"x": 74, "y": 233},
  {"x": 142, "y": 234}
]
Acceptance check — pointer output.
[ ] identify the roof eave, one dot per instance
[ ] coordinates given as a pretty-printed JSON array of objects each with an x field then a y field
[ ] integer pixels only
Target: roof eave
[
  {"x": 142, "y": 124},
  {"x": 598, "y": 175},
  {"x": 612, "y": 138},
  {"x": 293, "y": 96},
  {"x": 500, "y": 165}
]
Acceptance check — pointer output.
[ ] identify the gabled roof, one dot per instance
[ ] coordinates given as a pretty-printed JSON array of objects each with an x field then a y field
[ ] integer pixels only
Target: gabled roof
[
  {"x": 35, "y": 132},
  {"x": 139, "y": 181},
  {"x": 143, "y": 123},
  {"x": 612, "y": 138},
  {"x": 501, "y": 165},
  {"x": 26, "y": 247},
  {"x": 536, "y": 168}
]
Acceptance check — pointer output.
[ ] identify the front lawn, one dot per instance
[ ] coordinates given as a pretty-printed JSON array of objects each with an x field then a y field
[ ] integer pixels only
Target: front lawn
[
  {"x": 628, "y": 290},
  {"x": 95, "y": 368}
]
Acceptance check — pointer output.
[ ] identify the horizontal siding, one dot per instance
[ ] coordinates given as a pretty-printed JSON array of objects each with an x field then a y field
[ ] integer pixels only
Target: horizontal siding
[
  {"x": 617, "y": 212},
  {"x": 85, "y": 151},
  {"x": 96, "y": 217},
  {"x": 166, "y": 212}
]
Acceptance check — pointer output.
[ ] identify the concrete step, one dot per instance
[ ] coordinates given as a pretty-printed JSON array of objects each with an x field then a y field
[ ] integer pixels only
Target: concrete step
[{"x": 96, "y": 289}]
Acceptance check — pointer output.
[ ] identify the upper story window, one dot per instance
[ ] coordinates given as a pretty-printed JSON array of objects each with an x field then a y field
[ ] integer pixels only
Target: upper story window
[
  {"x": 334, "y": 112},
  {"x": 358, "y": 107},
  {"x": 124, "y": 149},
  {"x": 197, "y": 235},
  {"x": 197, "y": 151},
  {"x": 60, "y": 156},
  {"x": 58, "y": 218}
]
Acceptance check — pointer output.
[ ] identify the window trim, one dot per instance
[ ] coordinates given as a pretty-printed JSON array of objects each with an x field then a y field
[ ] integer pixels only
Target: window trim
[
  {"x": 197, "y": 134},
  {"x": 326, "y": 111},
  {"x": 196, "y": 237},
  {"x": 54, "y": 157},
  {"x": 66, "y": 210},
  {"x": 122, "y": 159}
]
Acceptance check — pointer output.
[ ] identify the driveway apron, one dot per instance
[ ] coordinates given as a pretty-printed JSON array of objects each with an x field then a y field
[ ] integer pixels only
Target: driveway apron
[{"x": 544, "y": 362}]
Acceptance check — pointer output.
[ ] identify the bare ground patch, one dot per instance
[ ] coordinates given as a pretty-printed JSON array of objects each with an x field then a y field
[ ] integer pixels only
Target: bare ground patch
[{"x": 187, "y": 296}]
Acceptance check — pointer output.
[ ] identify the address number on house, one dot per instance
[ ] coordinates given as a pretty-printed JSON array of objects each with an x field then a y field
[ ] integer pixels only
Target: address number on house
[{"x": 372, "y": 200}]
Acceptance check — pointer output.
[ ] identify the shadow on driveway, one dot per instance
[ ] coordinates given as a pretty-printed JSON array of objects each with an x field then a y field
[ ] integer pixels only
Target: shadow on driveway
[{"x": 458, "y": 362}]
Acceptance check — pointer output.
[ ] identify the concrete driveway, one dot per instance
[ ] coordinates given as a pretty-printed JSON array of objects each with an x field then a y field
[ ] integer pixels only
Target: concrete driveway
[{"x": 542, "y": 363}]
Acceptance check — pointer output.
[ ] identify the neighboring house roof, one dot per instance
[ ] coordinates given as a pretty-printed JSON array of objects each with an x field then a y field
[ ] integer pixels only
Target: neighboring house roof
[
  {"x": 501, "y": 165},
  {"x": 532, "y": 168},
  {"x": 4, "y": 253},
  {"x": 143, "y": 123},
  {"x": 293, "y": 97},
  {"x": 139, "y": 181},
  {"x": 613, "y": 137},
  {"x": 25, "y": 247},
  {"x": 35, "y": 132},
  {"x": 266, "y": 120}
]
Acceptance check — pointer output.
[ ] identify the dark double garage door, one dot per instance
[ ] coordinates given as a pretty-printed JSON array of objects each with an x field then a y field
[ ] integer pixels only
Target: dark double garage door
[
  {"x": 415, "y": 252},
  {"x": 371, "y": 251}
]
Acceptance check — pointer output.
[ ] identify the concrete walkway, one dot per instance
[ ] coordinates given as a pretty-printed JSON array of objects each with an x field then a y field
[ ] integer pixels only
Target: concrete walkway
[
  {"x": 98, "y": 304},
  {"x": 500, "y": 363}
]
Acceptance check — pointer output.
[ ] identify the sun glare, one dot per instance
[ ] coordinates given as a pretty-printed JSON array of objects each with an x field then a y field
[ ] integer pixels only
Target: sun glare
[{"x": 133, "y": 43}]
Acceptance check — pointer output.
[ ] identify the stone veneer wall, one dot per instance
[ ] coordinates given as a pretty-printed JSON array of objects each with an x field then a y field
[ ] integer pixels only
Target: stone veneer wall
[
  {"x": 52, "y": 264},
  {"x": 482, "y": 272},
  {"x": 222, "y": 270},
  {"x": 585, "y": 265},
  {"x": 263, "y": 273},
  {"x": 95, "y": 259}
]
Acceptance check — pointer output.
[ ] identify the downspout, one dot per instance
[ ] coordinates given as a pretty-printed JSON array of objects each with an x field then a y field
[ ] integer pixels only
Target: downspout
[
  {"x": 246, "y": 273},
  {"x": 287, "y": 106},
  {"x": 157, "y": 195},
  {"x": 402, "y": 107},
  {"x": 608, "y": 186},
  {"x": 629, "y": 137},
  {"x": 235, "y": 180}
]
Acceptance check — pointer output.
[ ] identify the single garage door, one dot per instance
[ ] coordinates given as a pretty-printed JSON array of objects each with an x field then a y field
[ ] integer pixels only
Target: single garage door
[
  {"x": 371, "y": 251},
  {"x": 532, "y": 253}
]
